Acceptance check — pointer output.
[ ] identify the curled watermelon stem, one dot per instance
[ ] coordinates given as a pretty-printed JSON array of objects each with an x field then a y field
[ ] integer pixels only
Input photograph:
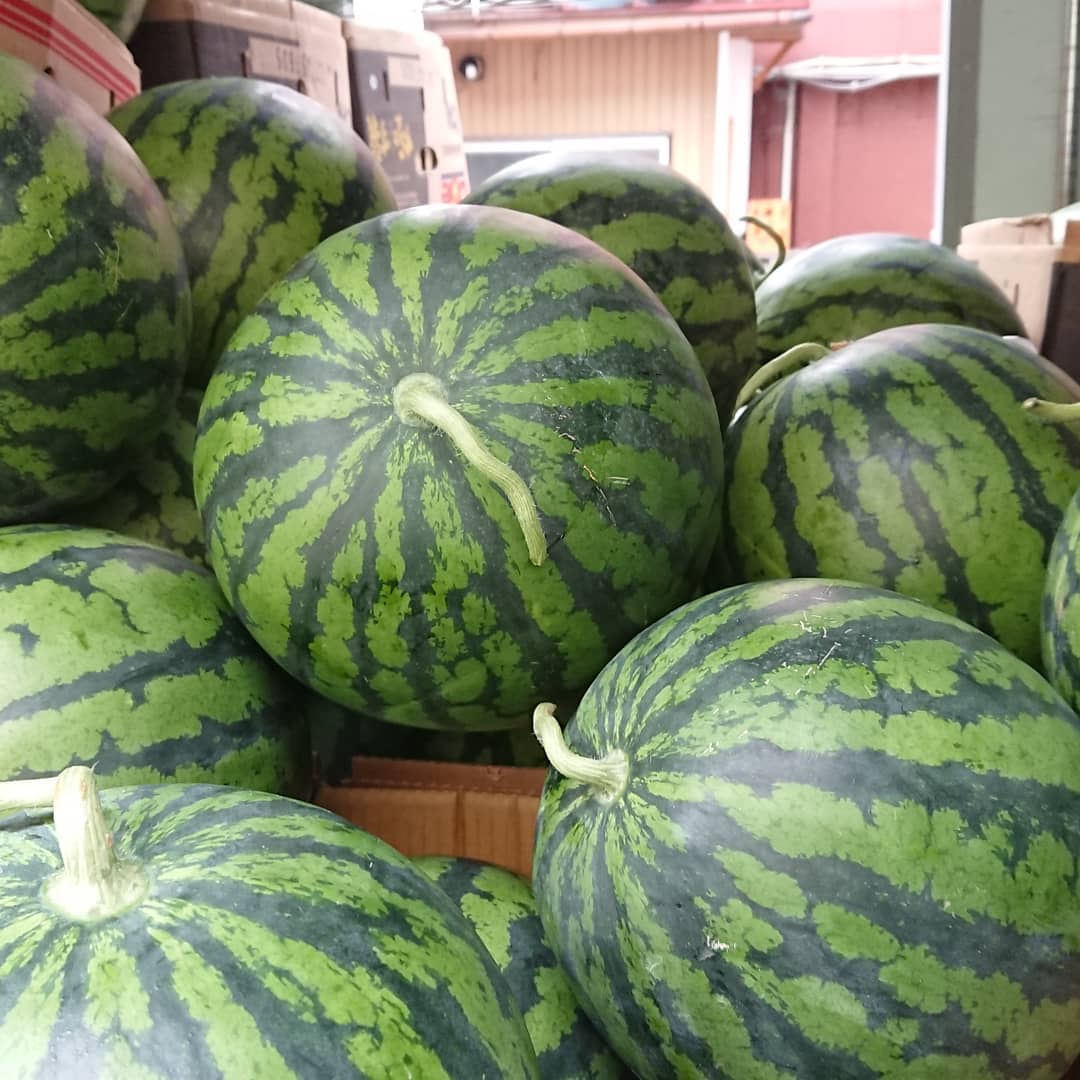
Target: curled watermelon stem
[
  {"x": 798, "y": 356},
  {"x": 775, "y": 237},
  {"x": 94, "y": 883},
  {"x": 421, "y": 398},
  {"x": 606, "y": 776},
  {"x": 1054, "y": 412}
]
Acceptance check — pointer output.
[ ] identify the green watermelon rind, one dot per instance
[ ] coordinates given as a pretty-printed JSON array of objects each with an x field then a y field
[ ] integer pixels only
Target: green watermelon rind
[
  {"x": 124, "y": 656},
  {"x": 850, "y": 286},
  {"x": 666, "y": 229},
  {"x": 366, "y": 556},
  {"x": 277, "y": 940},
  {"x": 846, "y": 846}
]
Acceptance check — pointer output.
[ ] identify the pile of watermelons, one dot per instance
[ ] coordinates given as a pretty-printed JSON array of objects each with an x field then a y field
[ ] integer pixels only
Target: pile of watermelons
[{"x": 796, "y": 566}]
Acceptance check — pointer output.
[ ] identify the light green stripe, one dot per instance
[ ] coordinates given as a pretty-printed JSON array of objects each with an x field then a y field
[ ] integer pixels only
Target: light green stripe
[
  {"x": 410, "y": 263},
  {"x": 231, "y": 1032},
  {"x": 117, "y": 1002},
  {"x": 285, "y": 401},
  {"x": 452, "y": 313},
  {"x": 600, "y": 328},
  {"x": 27, "y": 1027},
  {"x": 41, "y": 220},
  {"x": 965, "y": 867},
  {"x": 644, "y": 232}
]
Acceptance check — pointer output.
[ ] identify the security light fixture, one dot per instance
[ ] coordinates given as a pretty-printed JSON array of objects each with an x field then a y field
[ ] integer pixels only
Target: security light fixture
[{"x": 471, "y": 68}]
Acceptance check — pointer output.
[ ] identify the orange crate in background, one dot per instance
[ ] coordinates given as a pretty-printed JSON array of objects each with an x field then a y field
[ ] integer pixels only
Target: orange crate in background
[{"x": 480, "y": 812}]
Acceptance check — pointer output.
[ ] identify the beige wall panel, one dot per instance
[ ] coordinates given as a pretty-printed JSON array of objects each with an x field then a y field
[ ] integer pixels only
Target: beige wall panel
[{"x": 630, "y": 84}]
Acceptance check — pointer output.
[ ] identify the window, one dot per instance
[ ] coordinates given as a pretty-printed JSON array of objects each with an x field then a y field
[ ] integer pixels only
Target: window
[{"x": 485, "y": 157}]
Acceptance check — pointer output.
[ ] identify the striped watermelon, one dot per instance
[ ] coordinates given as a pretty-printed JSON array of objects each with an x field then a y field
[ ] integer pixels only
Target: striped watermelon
[
  {"x": 818, "y": 830},
  {"x": 255, "y": 175},
  {"x": 217, "y": 934},
  {"x": 1061, "y": 608},
  {"x": 850, "y": 286},
  {"x": 451, "y": 580},
  {"x": 502, "y": 910},
  {"x": 156, "y": 502},
  {"x": 664, "y": 228},
  {"x": 906, "y": 460},
  {"x": 125, "y": 656},
  {"x": 94, "y": 303}
]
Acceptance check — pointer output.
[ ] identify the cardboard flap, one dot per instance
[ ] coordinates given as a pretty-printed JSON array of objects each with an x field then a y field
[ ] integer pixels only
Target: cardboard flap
[
  {"x": 483, "y": 812},
  {"x": 1070, "y": 246},
  {"x": 446, "y": 776},
  {"x": 1031, "y": 229}
]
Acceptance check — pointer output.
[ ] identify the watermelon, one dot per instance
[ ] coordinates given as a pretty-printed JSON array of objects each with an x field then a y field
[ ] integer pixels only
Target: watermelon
[
  {"x": 95, "y": 314},
  {"x": 809, "y": 828},
  {"x": 907, "y": 461},
  {"x": 454, "y": 460},
  {"x": 502, "y": 909},
  {"x": 156, "y": 502},
  {"x": 180, "y": 931},
  {"x": 663, "y": 227},
  {"x": 120, "y": 16},
  {"x": 1061, "y": 608},
  {"x": 123, "y": 655},
  {"x": 338, "y": 735},
  {"x": 850, "y": 286},
  {"x": 255, "y": 175}
]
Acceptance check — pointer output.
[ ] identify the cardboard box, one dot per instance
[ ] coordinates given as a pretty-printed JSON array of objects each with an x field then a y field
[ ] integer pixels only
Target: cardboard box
[
  {"x": 1018, "y": 254},
  {"x": 776, "y": 213},
  {"x": 447, "y": 170},
  {"x": 426, "y": 808},
  {"x": 282, "y": 41},
  {"x": 404, "y": 104},
  {"x": 63, "y": 39},
  {"x": 1061, "y": 338}
]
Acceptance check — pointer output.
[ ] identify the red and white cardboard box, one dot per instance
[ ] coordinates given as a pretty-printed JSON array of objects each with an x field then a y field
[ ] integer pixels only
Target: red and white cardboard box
[{"x": 62, "y": 38}]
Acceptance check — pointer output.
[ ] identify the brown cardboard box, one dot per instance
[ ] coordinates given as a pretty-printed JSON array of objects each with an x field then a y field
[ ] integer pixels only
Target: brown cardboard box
[
  {"x": 406, "y": 110},
  {"x": 1061, "y": 337},
  {"x": 427, "y": 808},
  {"x": 448, "y": 173},
  {"x": 281, "y": 41},
  {"x": 1018, "y": 254},
  {"x": 62, "y": 38}
]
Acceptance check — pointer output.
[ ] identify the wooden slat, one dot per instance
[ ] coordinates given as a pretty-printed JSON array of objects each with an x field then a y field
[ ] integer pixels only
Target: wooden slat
[{"x": 598, "y": 85}]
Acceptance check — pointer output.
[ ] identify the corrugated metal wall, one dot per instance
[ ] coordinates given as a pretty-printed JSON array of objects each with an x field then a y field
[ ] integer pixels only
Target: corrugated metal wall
[{"x": 634, "y": 84}]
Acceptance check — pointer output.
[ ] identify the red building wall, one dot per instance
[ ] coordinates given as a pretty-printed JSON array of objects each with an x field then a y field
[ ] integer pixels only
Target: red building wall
[{"x": 863, "y": 161}]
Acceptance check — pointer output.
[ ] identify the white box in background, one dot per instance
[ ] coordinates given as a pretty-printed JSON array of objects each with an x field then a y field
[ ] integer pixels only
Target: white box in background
[{"x": 1018, "y": 254}]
